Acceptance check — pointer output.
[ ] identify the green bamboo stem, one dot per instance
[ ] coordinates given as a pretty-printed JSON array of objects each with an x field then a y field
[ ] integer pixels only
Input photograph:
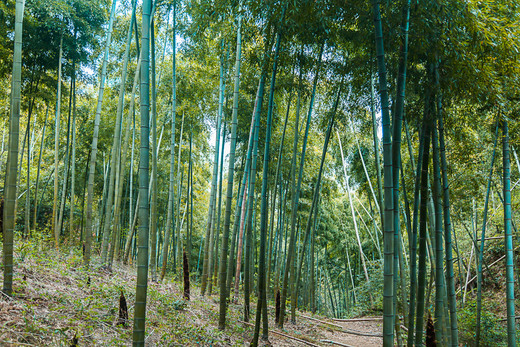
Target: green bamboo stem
[
  {"x": 439, "y": 252},
  {"x": 121, "y": 160},
  {"x": 450, "y": 277},
  {"x": 227, "y": 215},
  {"x": 144, "y": 205},
  {"x": 170, "y": 219},
  {"x": 261, "y": 311},
  {"x": 421, "y": 280},
  {"x": 413, "y": 240},
  {"x": 56, "y": 149},
  {"x": 482, "y": 240},
  {"x": 153, "y": 197},
  {"x": 12, "y": 156},
  {"x": 510, "y": 279},
  {"x": 388, "y": 236},
  {"x": 93, "y": 152},
  {"x": 315, "y": 199},
  {"x": 38, "y": 171},
  {"x": 236, "y": 90},
  {"x": 289, "y": 265}
]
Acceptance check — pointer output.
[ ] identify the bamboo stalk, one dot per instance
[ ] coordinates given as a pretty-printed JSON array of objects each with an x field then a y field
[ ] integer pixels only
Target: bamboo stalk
[
  {"x": 367, "y": 319},
  {"x": 335, "y": 343},
  {"x": 347, "y": 331},
  {"x": 285, "y": 335}
]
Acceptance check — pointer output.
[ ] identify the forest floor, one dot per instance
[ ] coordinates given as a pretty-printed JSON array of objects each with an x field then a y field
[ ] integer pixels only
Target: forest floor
[{"x": 56, "y": 299}]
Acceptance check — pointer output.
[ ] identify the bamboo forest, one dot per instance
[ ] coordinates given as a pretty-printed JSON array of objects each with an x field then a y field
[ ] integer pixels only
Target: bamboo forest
[{"x": 259, "y": 172}]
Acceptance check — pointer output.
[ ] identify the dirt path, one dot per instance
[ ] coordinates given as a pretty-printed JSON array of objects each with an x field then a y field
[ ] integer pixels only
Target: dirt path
[
  {"x": 318, "y": 331},
  {"x": 369, "y": 327}
]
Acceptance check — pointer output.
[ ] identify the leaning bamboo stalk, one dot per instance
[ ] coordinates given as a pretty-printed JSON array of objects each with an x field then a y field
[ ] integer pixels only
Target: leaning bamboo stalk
[{"x": 361, "y": 253}]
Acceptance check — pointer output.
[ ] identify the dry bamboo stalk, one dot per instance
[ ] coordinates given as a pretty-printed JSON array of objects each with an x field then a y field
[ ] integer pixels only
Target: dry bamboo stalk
[
  {"x": 347, "y": 331},
  {"x": 366, "y": 319},
  {"x": 336, "y": 343},
  {"x": 284, "y": 335}
]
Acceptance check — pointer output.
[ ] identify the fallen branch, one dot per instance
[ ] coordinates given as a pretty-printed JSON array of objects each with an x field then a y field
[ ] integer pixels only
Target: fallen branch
[
  {"x": 490, "y": 265},
  {"x": 492, "y": 238},
  {"x": 285, "y": 335},
  {"x": 505, "y": 319},
  {"x": 336, "y": 343},
  {"x": 342, "y": 329},
  {"x": 366, "y": 319}
]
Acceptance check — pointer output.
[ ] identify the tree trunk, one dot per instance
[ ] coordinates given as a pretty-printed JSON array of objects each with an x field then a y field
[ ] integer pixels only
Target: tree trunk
[
  {"x": 252, "y": 181},
  {"x": 261, "y": 310},
  {"x": 295, "y": 193},
  {"x": 229, "y": 192},
  {"x": 482, "y": 237},
  {"x": 439, "y": 251},
  {"x": 421, "y": 280},
  {"x": 121, "y": 160},
  {"x": 93, "y": 153},
  {"x": 170, "y": 219},
  {"x": 155, "y": 152},
  {"x": 35, "y": 216},
  {"x": 144, "y": 206},
  {"x": 208, "y": 243},
  {"x": 171, "y": 199},
  {"x": 72, "y": 236},
  {"x": 66, "y": 164},
  {"x": 56, "y": 151},
  {"x": 315, "y": 199},
  {"x": 510, "y": 279},
  {"x": 12, "y": 157},
  {"x": 180, "y": 175},
  {"x": 450, "y": 282},
  {"x": 388, "y": 238}
]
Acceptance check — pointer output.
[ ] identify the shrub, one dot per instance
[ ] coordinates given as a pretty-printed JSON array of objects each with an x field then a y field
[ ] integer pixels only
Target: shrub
[{"x": 492, "y": 332}]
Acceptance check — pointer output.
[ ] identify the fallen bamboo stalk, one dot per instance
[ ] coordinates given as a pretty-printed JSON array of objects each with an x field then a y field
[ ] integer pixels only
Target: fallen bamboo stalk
[
  {"x": 342, "y": 329},
  {"x": 367, "y": 319},
  {"x": 284, "y": 335},
  {"x": 492, "y": 238},
  {"x": 490, "y": 265},
  {"x": 504, "y": 319},
  {"x": 322, "y": 321},
  {"x": 336, "y": 343}
]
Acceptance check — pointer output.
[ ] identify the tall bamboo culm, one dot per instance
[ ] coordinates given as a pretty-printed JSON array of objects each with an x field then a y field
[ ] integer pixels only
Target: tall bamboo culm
[
  {"x": 93, "y": 152},
  {"x": 171, "y": 200},
  {"x": 388, "y": 235},
  {"x": 11, "y": 176},
  {"x": 144, "y": 205},
  {"x": 510, "y": 276}
]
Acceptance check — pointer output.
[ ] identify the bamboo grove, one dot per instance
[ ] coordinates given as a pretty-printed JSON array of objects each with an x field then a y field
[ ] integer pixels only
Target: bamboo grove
[{"x": 337, "y": 157}]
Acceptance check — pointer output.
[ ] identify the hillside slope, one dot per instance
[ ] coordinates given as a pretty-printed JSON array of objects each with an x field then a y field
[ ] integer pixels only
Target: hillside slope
[{"x": 56, "y": 299}]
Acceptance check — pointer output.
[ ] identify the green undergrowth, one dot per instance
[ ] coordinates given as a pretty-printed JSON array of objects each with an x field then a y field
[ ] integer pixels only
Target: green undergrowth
[{"x": 56, "y": 298}]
